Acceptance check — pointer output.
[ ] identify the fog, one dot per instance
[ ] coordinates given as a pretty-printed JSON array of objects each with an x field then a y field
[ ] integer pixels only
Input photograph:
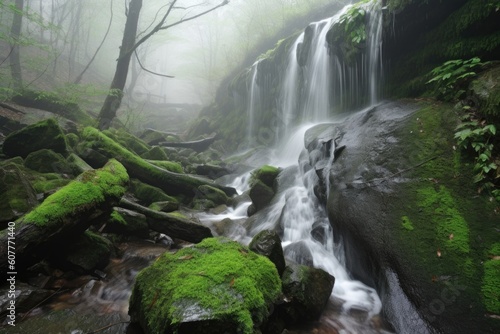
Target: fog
[{"x": 62, "y": 36}]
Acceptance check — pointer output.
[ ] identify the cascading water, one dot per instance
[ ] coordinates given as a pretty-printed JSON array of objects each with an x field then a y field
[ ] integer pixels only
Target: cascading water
[
  {"x": 310, "y": 92},
  {"x": 252, "y": 103}
]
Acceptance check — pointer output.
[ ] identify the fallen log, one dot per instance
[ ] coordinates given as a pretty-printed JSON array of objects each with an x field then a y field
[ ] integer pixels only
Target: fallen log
[
  {"x": 197, "y": 145},
  {"x": 170, "y": 224},
  {"x": 170, "y": 182},
  {"x": 63, "y": 216}
]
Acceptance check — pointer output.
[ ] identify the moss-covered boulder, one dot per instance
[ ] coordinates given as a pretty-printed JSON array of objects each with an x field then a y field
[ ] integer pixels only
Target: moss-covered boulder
[
  {"x": 127, "y": 223},
  {"x": 215, "y": 195},
  {"x": 268, "y": 244},
  {"x": 47, "y": 161},
  {"x": 66, "y": 214},
  {"x": 155, "y": 153},
  {"x": 307, "y": 291},
  {"x": 267, "y": 174},
  {"x": 17, "y": 195},
  {"x": 147, "y": 194},
  {"x": 167, "y": 165},
  {"x": 45, "y": 134},
  {"x": 217, "y": 286},
  {"x": 78, "y": 165},
  {"x": 165, "y": 206},
  {"x": 485, "y": 94},
  {"x": 48, "y": 183},
  {"x": 88, "y": 252}
]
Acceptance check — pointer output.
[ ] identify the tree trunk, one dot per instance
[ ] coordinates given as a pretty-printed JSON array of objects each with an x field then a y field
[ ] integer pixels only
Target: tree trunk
[
  {"x": 115, "y": 95},
  {"x": 15, "y": 33}
]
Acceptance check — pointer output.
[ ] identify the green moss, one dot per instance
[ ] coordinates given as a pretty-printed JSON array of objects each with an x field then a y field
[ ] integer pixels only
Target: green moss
[
  {"x": 117, "y": 218},
  {"x": 463, "y": 34},
  {"x": 44, "y": 186},
  {"x": 168, "y": 165},
  {"x": 127, "y": 140},
  {"x": 53, "y": 102},
  {"x": 91, "y": 187},
  {"x": 148, "y": 194},
  {"x": 219, "y": 275},
  {"x": 72, "y": 139},
  {"x": 491, "y": 286},
  {"x": 406, "y": 223},
  {"x": 156, "y": 153},
  {"x": 215, "y": 195},
  {"x": 267, "y": 174}
]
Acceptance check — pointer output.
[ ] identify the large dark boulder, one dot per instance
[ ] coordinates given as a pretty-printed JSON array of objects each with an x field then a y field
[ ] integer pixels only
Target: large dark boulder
[
  {"x": 268, "y": 243},
  {"x": 44, "y": 134},
  {"x": 405, "y": 206},
  {"x": 47, "y": 161},
  {"x": 217, "y": 286},
  {"x": 306, "y": 291}
]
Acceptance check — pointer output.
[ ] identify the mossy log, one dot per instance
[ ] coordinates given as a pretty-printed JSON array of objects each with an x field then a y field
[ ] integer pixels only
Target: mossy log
[
  {"x": 170, "y": 182},
  {"x": 172, "y": 225},
  {"x": 64, "y": 215}
]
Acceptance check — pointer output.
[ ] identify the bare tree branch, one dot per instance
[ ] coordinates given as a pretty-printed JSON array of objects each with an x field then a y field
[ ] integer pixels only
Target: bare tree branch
[
  {"x": 149, "y": 71},
  {"x": 225, "y": 2},
  {"x": 160, "y": 25}
]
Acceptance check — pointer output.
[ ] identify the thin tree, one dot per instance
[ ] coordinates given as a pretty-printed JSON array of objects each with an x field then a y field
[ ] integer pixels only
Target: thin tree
[
  {"x": 15, "y": 33},
  {"x": 128, "y": 46}
]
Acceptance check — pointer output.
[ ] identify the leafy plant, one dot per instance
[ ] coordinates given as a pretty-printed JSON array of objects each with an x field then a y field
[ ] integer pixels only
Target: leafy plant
[
  {"x": 451, "y": 77},
  {"x": 354, "y": 24},
  {"x": 479, "y": 137}
]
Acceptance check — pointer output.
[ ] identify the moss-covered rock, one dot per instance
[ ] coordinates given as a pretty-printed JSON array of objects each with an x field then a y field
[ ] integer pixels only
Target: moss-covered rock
[
  {"x": 155, "y": 153},
  {"x": 127, "y": 223},
  {"x": 417, "y": 216},
  {"x": 215, "y": 195},
  {"x": 47, "y": 161},
  {"x": 88, "y": 252},
  {"x": 267, "y": 174},
  {"x": 217, "y": 286},
  {"x": 78, "y": 165},
  {"x": 72, "y": 139},
  {"x": 45, "y": 134},
  {"x": 148, "y": 194},
  {"x": 165, "y": 206},
  {"x": 167, "y": 165},
  {"x": 46, "y": 183},
  {"x": 17, "y": 195},
  {"x": 485, "y": 94}
]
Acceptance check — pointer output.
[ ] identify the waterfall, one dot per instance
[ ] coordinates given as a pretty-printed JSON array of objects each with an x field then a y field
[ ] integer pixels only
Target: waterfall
[
  {"x": 316, "y": 87},
  {"x": 252, "y": 103}
]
